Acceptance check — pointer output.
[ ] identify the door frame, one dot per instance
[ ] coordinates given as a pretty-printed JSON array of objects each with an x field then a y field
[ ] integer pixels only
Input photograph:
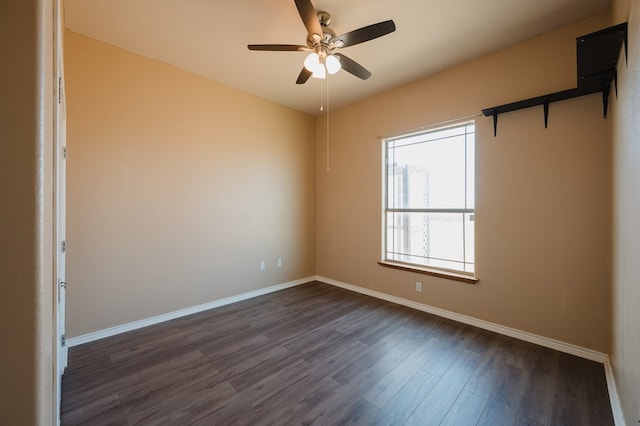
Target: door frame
[{"x": 59, "y": 211}]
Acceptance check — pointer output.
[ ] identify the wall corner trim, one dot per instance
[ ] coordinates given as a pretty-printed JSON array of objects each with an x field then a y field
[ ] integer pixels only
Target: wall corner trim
[
  {"x": 486, "y": 325},
  {"x": 616, "y": 406},
  {"x": 112, "y": 331}
]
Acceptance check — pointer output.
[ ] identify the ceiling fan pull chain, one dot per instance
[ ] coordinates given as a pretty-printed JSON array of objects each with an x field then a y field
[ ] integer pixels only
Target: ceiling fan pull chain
[
  {"x": 321, "y": 95},
  {"x": 327, "y": 149}
]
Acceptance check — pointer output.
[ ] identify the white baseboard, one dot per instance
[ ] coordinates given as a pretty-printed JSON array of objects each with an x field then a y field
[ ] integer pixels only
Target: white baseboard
[
  {"x": 486, "y": 325},
  {"x": 112, "y": 331},
  {"x": 568, "y": 348},
  {"x": 616, "y": 407}
]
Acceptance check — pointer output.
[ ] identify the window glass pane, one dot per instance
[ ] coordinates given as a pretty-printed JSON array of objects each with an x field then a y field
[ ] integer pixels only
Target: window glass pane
[
  {"x": 430, "y": 239},
  {"x": 471, "y": 171},
  {"x": 428, "y": 173},
  {"x": 469, "y": 241}
]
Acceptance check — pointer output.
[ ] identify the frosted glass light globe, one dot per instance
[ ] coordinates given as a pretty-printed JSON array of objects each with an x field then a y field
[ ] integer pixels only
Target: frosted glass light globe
[
  {"x": 333, "y": 64},
  {"x": 312, "y": 62}
]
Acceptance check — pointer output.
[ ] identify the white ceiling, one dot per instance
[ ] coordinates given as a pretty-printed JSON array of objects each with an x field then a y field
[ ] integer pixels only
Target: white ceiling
[{"x": 210, "y": 37}]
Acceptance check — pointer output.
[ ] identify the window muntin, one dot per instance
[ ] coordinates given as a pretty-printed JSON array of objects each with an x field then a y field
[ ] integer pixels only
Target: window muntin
[{"x": 430, "y": 198}]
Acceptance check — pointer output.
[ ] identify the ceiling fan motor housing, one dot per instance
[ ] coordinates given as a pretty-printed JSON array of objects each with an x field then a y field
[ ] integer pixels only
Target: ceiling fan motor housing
[{"x": 327, "y": 36}]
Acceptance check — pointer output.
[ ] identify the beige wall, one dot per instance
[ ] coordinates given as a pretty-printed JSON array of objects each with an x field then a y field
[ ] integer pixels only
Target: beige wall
[
  {"x": 543, "y": 195},
  {"x": 26, "y": 360},
  {"x": 625, "y": 352},
  {"x": 177, "y": 188}
]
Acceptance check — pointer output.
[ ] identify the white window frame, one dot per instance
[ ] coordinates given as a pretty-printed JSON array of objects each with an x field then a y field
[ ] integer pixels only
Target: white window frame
[{"x": 458, "y": 274}]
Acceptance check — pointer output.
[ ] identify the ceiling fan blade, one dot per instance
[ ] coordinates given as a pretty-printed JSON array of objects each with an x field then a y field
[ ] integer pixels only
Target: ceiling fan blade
[
  {"x": 365, "y": 34},
  {"x": 351, "y": 66},
  {"x": 308, "y": 14},
  {"x": 304, "y": 76},
  {"x": 278, "y": 47}
]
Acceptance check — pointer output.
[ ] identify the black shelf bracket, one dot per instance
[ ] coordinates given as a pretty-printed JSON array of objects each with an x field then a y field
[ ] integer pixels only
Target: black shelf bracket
[{"x": 597, "y": 62}]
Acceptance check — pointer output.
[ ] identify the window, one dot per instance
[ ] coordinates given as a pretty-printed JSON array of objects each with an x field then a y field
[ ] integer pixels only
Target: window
[{"x": 429, "y": 199}]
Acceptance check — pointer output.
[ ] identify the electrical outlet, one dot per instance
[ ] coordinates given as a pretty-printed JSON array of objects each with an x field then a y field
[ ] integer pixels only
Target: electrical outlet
[
  {"x": 263, "y": 265},
  {"x": 418, "y": 286},
  {"x": 279, "y": 263}
]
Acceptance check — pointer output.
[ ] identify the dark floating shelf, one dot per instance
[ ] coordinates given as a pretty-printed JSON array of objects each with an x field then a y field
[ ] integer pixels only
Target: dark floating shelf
[{"x": 597, "y": 61}]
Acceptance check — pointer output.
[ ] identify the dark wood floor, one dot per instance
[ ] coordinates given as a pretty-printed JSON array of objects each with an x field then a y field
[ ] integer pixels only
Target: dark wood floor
[{"x": 321, "y": 355}]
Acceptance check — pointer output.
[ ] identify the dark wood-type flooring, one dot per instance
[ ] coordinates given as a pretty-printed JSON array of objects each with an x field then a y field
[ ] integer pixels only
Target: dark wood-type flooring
[{"x": 317, "y": 354}]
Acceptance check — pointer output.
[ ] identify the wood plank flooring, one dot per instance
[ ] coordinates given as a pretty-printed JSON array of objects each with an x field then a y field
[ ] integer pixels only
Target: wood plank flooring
[{"x": 320, "y": 355}]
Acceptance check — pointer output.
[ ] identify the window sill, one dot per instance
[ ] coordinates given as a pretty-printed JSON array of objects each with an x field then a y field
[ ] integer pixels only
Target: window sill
[{"x": 433, "y": 272}]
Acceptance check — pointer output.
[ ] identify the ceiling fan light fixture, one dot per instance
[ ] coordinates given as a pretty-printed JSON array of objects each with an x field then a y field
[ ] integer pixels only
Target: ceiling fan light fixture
[
  {"x": 315, "y": 64},
  {"x": 333, "y": 64},
  {"x": 320, "y": 72},
  {"x": 312, "y": 62}
]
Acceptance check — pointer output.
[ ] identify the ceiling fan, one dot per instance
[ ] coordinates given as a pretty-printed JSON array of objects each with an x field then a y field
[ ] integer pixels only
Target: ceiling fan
[{"x": 322, "y": 42}]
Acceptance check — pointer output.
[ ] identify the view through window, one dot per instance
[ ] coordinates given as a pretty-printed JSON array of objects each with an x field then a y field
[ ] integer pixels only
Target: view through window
[{"x": 430, "y": 198}]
